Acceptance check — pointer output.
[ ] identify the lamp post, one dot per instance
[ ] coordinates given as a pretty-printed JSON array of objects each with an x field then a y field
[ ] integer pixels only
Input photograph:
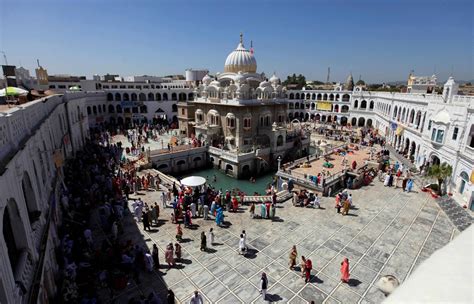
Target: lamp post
[{"x": 279, "y": 161}]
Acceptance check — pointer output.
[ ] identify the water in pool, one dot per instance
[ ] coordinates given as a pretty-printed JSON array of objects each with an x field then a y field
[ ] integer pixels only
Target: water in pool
[{"x": 225, "y": 182}]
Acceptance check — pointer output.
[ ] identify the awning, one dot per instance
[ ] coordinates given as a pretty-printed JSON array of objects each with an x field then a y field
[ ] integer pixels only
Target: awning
[{"x": 193, "y": 181}]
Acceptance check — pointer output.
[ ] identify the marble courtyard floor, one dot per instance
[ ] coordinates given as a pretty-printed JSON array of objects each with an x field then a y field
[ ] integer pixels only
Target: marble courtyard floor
[{"x": 389, "y": 232}]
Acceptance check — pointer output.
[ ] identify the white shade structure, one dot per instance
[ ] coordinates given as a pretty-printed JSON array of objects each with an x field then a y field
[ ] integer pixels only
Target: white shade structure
[
  {"x": 12, "y": 91},
  {"x": 193, "y": 181}
]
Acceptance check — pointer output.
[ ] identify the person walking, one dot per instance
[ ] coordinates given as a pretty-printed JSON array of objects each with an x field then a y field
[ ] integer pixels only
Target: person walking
[
  {"x": 154, "y": 254},
  {"x": 263, "y": 285},
  {"x": 196, "y": 298},
  {"x": 177, "y": 251},
  {"x": 252, "y": 210},
  {"x": 345, "y": 207},
  {"x": 293, "y": 256},
  {"x": 242, "y": 245},
  {"x": 146, "y": 221},
  {"x": 169, "y": 255},
  {"x": 205, "y": 211},
  {"x": 308, "y": 267},
  {"x": 149, "y": 264},
  {"x": 203, "y": 241},
  {"x": 179, "y": 233},
  {"x": 210, "y": 236},
  {"x": 345, "y": 270},
  {"x": 302, "y": 266}
]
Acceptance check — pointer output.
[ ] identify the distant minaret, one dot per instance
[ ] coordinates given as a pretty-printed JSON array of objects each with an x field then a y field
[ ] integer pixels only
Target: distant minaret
[{"x": 329, "y": 72}]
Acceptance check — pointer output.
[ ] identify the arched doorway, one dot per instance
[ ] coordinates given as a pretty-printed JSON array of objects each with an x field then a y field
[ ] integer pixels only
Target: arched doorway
[
  {"x": 435, "y": 160},
  {"x": 464, "y": 180},
  {"x": 361, "y": 122},
  {"x": 30, "y": 199},
  {"x": 412, "y": 150},
  {"x": 369, "y": 123},
  {"x": 353, "y": 121},
  {"x": 343, "y": 121},
  {"x": 14, "y": 233}
]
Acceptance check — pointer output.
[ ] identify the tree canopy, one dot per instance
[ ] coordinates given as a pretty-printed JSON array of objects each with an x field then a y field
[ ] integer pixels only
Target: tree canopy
[{"x": 299, "y": 81}]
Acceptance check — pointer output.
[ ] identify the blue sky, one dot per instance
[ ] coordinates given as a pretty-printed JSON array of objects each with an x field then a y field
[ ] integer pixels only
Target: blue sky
[{"x": 382, "y": 40}]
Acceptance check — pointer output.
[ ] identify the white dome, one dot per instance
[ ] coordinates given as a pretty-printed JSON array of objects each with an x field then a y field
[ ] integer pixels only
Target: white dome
[
  {"x": 215, "y": 83},
  {"x": 264, "y": 84},
  {"x": 206, "y": 79},
  {"x": 274, "y": 79},
  {"x": 240, "y": 59},
  {"x": 442, "y": 117}
]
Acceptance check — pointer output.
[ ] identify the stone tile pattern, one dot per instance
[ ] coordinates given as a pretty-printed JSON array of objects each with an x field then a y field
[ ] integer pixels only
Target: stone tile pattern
[
  {"x": 460, "y": 217},
  {"x": 389, "y": 232}
]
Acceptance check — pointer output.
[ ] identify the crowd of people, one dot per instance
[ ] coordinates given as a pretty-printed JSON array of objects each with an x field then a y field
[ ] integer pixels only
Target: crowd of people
[
  {"x": 397, "y": 176},
  {"x": 95, "y": 181},
  {"x": 95, "y": 189}
]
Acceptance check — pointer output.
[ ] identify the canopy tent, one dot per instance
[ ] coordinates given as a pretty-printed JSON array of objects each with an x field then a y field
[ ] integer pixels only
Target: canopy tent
[
  {"x": 12, "y": 91},
  {"x": 193, "y": 181}
]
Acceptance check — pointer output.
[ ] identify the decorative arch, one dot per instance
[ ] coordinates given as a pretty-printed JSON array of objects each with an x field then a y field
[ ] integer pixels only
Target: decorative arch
[
  {"x": 151, "y": 96},
  {"x": 110, "y": 97},
  {"x": 118, "y": 97},
  {"x": 14, "y": 233}
]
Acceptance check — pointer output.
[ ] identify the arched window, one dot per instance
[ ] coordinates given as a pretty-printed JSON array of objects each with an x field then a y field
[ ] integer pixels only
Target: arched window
[
  {"x": 346, "y": 97},
  {"x": 280, "y": 140},
  {"x": 230, "y": 118},
  {"x": 118, "y": 97},
  {"x": 363, "y": 104},
  {"x": 142, "y": 97},
  {"x": 111, "y": 109},
  {"x": 173, "y": 96},
  {"x": 292, "y": 96},
  {"x": 165, "y": 96},
  {"x": 89, "y": 112},
  {"x": 151, "y": 97},
  {"x": 126, "y": 97},
  {"x": 119, "y": 109},
  {"x": 356, "y": 104},
  {"x": 158, "y": 96},
  {"x": 371, "y": 105},
  {"x": 94, "y": 110},
  {"x": 134, "y": 97},
  {"x": 110, "y": 97},
  {"x": 213, "y": 118},
  {"x": 190, "y": 96},
  {"x": 247, "y": 123}
]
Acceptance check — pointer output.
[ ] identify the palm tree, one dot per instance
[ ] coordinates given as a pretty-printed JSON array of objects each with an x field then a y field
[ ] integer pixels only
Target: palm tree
[{"x": 440, "y": 173}]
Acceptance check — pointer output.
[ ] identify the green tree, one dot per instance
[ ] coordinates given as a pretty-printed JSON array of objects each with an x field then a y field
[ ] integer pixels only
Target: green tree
[{"x": 440, "y": 173}]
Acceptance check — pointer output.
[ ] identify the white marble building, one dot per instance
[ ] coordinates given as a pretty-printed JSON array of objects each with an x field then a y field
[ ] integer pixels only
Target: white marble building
[
  {"x": 424, "y": 127},
  {"x": 34, "y": 138}
]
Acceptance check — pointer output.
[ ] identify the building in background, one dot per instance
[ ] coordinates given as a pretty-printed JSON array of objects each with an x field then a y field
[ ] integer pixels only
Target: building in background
[{"x": 421, "y": 84}]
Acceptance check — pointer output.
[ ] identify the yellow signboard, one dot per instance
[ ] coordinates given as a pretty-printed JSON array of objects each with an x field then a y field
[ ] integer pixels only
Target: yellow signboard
[{"x": 324, "y": 106}]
